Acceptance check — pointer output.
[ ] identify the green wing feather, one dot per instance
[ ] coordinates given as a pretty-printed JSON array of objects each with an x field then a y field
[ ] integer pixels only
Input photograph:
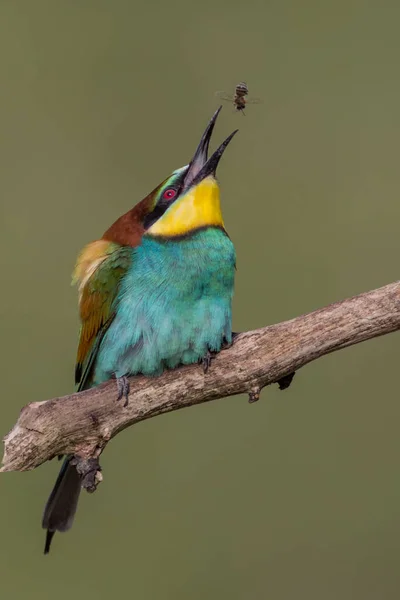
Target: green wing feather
[{"x": 99, "y": 271}]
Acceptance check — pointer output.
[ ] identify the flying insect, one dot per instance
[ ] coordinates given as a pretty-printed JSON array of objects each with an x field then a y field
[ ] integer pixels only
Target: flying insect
[{"x": 239, "y": 98}]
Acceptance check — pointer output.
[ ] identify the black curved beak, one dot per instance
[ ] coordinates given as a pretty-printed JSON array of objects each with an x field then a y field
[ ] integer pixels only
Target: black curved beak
[{"x": 200, "y": 167}]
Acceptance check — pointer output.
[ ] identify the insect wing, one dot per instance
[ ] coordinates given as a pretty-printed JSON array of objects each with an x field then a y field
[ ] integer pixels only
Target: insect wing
[
  {"x": 225, "y": 96},
  {"x": 254, "y": 100}
]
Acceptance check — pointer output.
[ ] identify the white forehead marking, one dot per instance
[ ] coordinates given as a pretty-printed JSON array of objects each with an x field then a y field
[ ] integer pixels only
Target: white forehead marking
[{"x": 178, "y": 171}]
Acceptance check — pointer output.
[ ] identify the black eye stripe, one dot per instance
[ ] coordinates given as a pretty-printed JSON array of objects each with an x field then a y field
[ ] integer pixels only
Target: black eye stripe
[{"x": 162, "y": 205}]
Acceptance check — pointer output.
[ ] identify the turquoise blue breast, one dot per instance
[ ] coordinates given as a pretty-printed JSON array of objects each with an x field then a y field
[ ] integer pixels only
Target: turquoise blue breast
[{"x": 174, "y": 304}]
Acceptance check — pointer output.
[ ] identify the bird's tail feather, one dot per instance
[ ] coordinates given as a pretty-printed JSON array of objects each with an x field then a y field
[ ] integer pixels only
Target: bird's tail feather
[{"x": 61, "y": 506}]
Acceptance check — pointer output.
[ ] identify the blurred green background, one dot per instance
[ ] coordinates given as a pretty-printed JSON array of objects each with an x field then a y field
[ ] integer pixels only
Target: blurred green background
[{"x": 297, "y": 496}]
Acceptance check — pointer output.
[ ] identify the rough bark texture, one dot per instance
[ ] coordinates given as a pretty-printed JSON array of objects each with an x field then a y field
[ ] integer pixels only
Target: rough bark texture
[{"x": 82, "y": 424}]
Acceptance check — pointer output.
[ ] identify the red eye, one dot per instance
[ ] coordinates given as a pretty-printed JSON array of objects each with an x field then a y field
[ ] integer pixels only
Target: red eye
[{"x": 169, "y": 194}]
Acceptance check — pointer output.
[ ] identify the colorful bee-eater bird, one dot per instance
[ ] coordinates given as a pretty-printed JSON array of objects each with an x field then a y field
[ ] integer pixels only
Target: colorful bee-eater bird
[{"x": 155, "y": 292}]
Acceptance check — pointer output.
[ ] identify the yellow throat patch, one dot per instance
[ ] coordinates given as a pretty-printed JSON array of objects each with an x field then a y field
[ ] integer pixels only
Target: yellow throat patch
[{"x": 199, "y": 207}]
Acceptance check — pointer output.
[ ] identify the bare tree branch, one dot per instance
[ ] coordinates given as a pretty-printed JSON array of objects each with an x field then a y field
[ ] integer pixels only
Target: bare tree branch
[{"x": 82, "y": 424}]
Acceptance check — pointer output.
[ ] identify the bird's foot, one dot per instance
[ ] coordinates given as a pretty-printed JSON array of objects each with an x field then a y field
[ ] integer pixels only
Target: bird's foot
[
  {"x": 226, "y": 344},
  {"x": 123, "y": 387},
  {"x": 209, "y": 356},
  {"x": 206, "y": 360}
]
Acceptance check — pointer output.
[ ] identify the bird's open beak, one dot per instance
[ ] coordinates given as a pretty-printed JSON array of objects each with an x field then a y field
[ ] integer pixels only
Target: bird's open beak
[{"x": 200, "y": 167}]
